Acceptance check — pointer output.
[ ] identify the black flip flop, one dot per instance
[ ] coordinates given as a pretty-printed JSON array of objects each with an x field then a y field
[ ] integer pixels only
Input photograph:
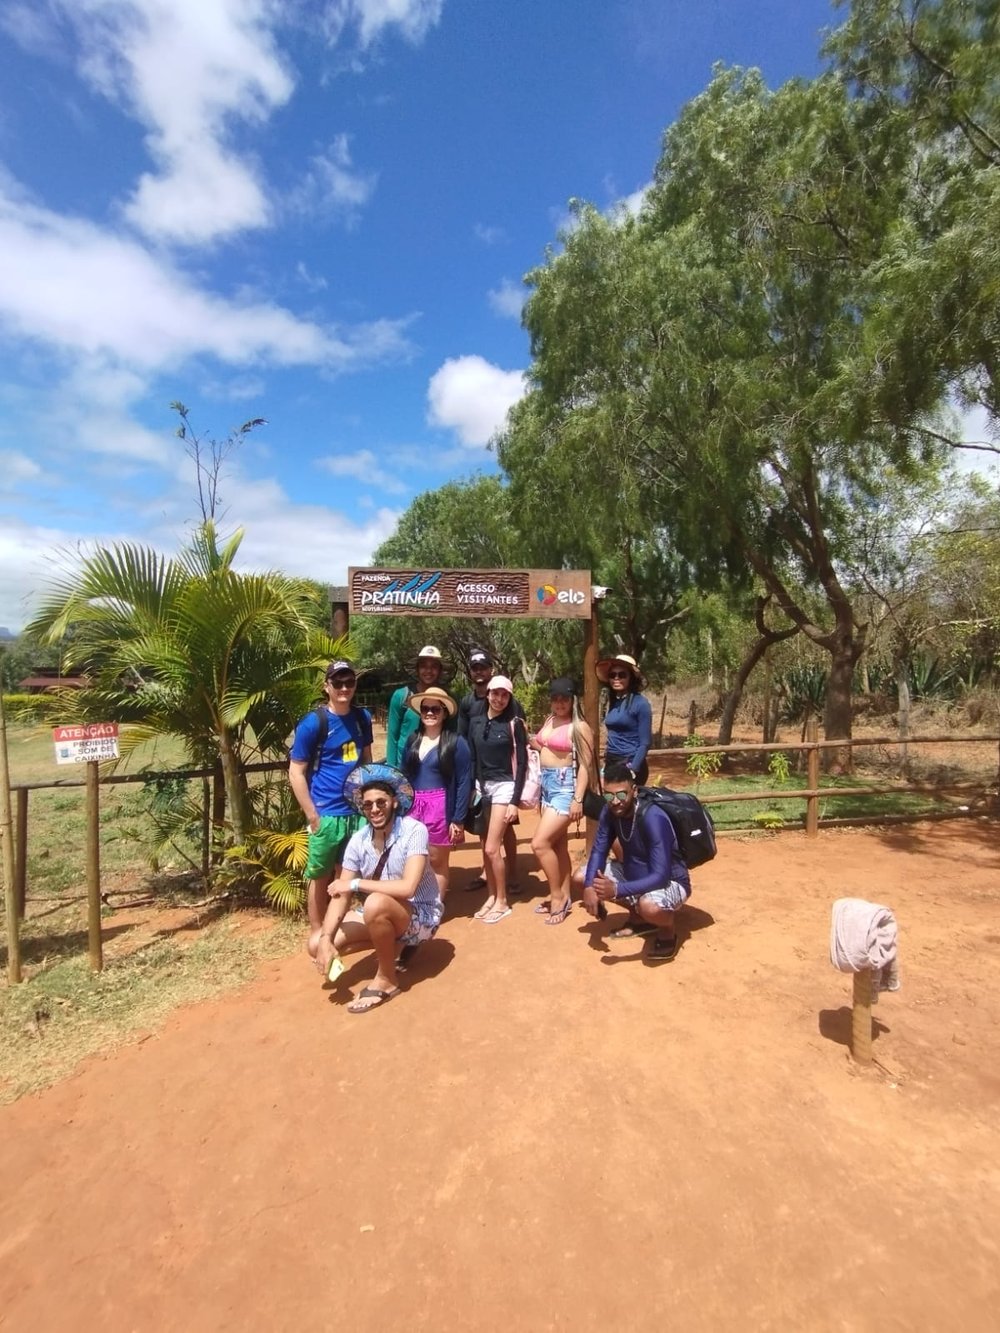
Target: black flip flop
[
  {"x": 663, "y": 951},
  {"x": 380, "y": 997}
]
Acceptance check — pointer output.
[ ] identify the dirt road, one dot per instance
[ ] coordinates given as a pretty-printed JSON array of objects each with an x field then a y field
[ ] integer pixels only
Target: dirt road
[{"x": 543, "y": 1132}]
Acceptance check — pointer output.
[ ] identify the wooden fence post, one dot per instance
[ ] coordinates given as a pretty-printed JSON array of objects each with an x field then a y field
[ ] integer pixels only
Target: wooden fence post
[
  {"x": 21, "y": 852},
  {"x": 206, "y": 828},
  {"x": 861, "y": 1018},
  {"x": 93, "y": 819},
  {"x": 692, "y": 718},
  {"x": 7, "y": 854},
  {"x": 812, "y": 779}
]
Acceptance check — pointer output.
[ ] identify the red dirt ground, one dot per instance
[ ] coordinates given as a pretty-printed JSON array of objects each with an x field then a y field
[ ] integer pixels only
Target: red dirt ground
[{"x": 545, "y": 1133}]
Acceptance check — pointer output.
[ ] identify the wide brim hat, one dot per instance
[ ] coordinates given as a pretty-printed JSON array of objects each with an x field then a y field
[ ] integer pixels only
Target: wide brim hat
[
  {"x": 436, "y": 693},
  {"x": 622, "y": 659},
  {"x": 365, "y": 774}
]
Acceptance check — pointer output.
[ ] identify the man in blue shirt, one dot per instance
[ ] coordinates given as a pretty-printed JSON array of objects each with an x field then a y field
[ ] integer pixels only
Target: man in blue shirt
[
  {"x": 650, "y": 880},
  {"x": 329, "y": 744}
]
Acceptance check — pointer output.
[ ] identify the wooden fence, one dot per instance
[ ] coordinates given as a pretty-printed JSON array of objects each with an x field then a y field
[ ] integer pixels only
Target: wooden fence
[{"x": 213, "y": 803}]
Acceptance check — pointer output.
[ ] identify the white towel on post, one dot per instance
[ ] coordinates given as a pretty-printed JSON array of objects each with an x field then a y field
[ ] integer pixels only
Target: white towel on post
[{"x": 862, "y": 935}]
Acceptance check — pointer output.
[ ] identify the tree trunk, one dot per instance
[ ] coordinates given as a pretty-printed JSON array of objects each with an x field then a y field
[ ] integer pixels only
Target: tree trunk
[
  {"x": 728, "y": 719},
  {"x": 903, "y": 716},
  {"x": 844, "y": 651},
  {"x": 235, "y": 780}
]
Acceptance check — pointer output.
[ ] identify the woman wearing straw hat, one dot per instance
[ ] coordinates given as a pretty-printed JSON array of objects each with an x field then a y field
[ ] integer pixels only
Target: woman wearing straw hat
[
  {"x": 439, "y": 765},
  {"x": 386, "y": 864},
  {"x": 629, "y": 719},
  {"x": 565, "y": 745}
]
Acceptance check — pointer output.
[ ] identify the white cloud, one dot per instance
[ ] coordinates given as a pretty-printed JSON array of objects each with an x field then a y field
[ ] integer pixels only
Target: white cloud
[
  {"x": 413, "y": 18},
  {"x": 16, "y": 467},
  {"x": 84, "y": 290},
  {"x": 489, "y": 235},
  {"x": 472, "y": 397},
  {"x": 312, "y": 541},
  {"x": 331, "y": 185},
  {"x": 507, "y": 299},
  {"x": 189, "y": 71},
  {"x": 632, "y": 203},
  {"x": 363, "y": 466}
]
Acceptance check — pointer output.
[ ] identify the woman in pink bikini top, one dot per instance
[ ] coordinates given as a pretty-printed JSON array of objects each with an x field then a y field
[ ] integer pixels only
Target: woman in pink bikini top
[{"x": 565, "y": 745}]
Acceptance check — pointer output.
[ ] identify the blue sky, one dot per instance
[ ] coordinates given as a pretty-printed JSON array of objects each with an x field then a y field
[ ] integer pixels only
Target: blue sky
[{"x": 318, "y": 213}]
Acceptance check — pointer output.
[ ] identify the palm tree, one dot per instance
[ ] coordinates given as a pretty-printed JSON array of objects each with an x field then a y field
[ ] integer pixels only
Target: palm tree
[{"x": 191, "y": 648}]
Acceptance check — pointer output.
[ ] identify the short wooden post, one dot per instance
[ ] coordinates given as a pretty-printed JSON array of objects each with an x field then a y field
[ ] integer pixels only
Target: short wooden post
[
  {"x": 206, "y": 828},
  {"x": 663, "y": 715},
  {"x": 861, "y": 1018},
  {"x": 7, "y": 859},
  {"x": 812, "y": 779},
  {"x": 93, "y": 820},
  {"x": 692, "y": 718},
  {"x": 21, "y": 852}
]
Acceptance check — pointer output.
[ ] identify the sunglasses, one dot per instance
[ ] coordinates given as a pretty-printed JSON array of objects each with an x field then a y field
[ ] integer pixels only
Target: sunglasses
[
  {"x": 342, "y": 682},
  {"x": 429, "y": 710},
  {"x": 618, "y": 675},
  {"x": 379, "y": 803},
  {"x": 617, "y": 797}
]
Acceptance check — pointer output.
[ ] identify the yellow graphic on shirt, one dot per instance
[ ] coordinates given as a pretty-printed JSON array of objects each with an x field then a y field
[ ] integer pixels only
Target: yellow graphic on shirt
[{"x": 350, "y": 753}]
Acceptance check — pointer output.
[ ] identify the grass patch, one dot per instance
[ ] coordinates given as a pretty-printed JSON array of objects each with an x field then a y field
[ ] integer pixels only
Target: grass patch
[
  {"x": 65, "y": 1012},
  {"x": 837, "y": 802}
]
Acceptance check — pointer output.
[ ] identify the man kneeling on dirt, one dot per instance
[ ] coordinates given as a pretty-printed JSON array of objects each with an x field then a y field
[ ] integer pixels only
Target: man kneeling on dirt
[
  {"x": 387, "y": 866},
  {"x": 650, "y": 880}
]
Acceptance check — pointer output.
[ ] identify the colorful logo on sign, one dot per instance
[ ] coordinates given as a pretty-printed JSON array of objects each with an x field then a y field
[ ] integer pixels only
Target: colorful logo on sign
[{"x": 546, "y": 594}]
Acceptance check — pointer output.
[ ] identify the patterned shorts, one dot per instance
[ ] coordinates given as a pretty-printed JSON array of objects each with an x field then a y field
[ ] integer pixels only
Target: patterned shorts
[{"x": 668, "y": 899}]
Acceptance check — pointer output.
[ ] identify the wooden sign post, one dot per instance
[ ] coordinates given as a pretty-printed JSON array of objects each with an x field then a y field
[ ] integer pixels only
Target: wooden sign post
[
  {"x": 93, "y": 817},
  {"x": 861, "y": 1018},
  {"x": 7, "y": 847}
]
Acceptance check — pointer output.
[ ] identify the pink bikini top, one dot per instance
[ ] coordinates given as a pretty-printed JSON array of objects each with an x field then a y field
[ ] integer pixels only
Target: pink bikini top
[{"x": 558, "y": 739}]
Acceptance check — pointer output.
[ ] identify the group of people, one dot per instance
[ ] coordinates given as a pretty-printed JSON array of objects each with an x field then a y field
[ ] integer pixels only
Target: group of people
[{"x": 381, "y": 834}]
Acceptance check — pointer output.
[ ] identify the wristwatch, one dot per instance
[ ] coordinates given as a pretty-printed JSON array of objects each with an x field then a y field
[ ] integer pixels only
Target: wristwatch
[{"x": 355, "y": 885}]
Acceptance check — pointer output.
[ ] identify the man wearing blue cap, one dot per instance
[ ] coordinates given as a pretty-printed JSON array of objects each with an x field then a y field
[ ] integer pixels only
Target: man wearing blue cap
[{"x": 329, "y": 744}]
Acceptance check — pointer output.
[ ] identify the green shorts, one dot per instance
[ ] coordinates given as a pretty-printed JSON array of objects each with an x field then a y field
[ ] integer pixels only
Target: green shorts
[{"x": 327, "y": 844}]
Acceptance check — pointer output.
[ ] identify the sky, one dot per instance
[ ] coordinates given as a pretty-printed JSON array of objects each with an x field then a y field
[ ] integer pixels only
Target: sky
[{"x": 317, "y": 212}]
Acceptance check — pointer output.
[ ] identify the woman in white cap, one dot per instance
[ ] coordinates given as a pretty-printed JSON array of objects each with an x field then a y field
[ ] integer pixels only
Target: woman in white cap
[
  {"x": 402, "y": 720},
  {"x": 629, "y": 719},
  {"x": 499, "y": 744},
  {"x": 438, "y": 764}
]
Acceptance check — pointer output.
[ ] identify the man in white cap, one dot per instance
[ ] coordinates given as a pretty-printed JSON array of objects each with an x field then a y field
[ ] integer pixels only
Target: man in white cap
[{"x": 402, "y": 719}]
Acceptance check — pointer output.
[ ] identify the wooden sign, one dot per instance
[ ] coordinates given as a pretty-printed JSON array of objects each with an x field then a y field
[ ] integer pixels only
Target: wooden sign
[{"x": 547, "y": 593}]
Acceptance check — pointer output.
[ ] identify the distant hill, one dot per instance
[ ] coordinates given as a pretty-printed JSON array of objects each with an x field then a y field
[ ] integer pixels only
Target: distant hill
[{"x": 5, "y": 633}]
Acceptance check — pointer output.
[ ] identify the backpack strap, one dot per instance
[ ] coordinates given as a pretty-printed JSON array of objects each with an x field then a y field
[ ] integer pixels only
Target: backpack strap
[{"x": 323, "y": 730}]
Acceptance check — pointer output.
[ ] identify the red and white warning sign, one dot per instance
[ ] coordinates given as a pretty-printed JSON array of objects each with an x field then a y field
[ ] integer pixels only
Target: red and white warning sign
[{"x": 83, "y": 745}]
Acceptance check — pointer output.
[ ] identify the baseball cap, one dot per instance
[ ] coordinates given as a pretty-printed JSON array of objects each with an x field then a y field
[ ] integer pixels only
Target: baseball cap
[
  {"x": 501, "y": 683},
  {"x": 340, "y": 667},
  {"x": 479, "y": 658}
]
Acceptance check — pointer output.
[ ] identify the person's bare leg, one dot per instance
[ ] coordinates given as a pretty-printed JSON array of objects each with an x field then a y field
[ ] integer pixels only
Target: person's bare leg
[
  {"x": 496, "y": 870},
  {"x": 317, "y": 901},
  {"x": 550, "y": 835},
  {"x": 325, "y": 945},
  {"x": 439, "y": 859},
  {"x": 385, "y": 919}
]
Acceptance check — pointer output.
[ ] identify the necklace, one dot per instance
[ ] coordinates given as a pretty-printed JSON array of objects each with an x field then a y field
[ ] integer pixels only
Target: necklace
[{"x": 627, "y": 837}]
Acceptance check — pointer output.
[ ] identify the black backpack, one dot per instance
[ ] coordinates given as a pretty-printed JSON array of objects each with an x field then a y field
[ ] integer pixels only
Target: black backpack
[{"x": 693, "y": 827}]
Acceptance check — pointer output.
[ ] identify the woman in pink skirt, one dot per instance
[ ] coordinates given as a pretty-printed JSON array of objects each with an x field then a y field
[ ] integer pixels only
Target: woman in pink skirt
[{"x": 438, "y": 763}]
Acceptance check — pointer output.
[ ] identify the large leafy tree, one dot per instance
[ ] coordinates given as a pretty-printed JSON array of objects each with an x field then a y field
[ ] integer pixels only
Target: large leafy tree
[
  {"x": 925, "y": 75},
  {"x": 190, "y": 647},
  {"x": 711, "y": 357}
]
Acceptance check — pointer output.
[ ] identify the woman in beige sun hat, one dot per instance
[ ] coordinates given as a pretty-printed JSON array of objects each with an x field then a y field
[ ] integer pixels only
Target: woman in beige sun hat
[{"x": 629, "y": 719}]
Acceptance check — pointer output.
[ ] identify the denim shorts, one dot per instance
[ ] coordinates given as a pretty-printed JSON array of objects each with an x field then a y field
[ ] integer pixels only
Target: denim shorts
[{"x": 557, "y": 789}]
